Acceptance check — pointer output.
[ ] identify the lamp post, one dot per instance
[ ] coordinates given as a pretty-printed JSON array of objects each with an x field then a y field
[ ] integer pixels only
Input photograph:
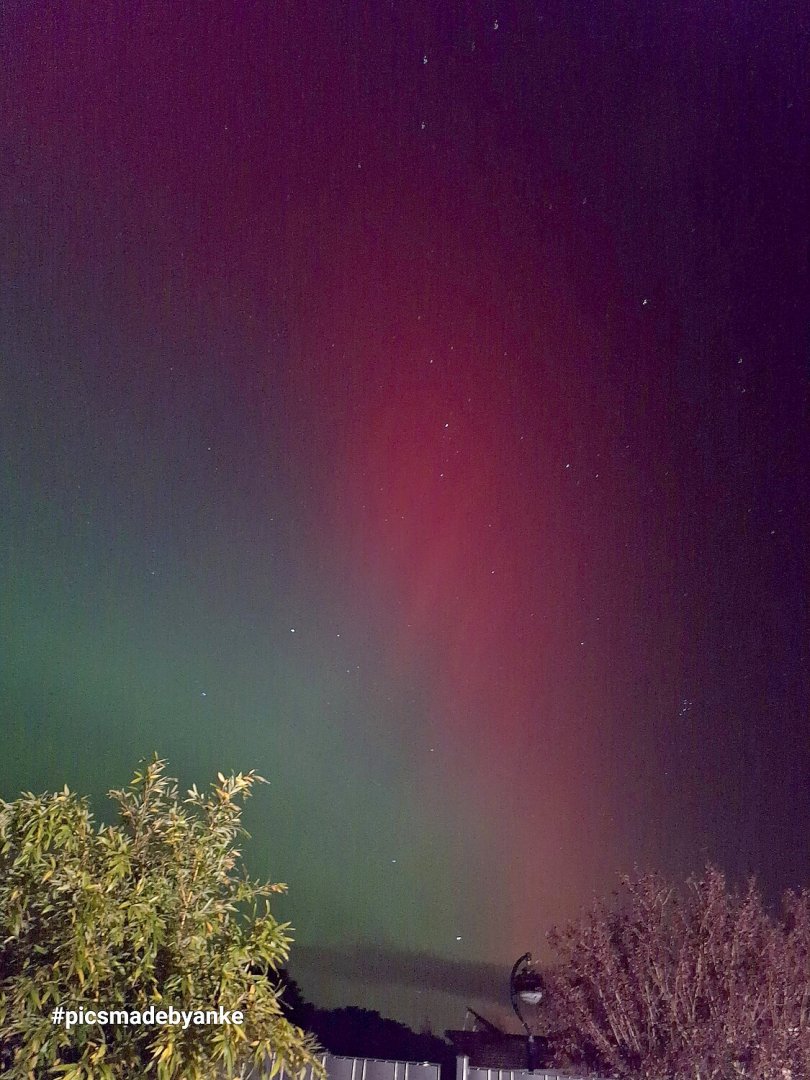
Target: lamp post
[{"x": 526, "y": 987}]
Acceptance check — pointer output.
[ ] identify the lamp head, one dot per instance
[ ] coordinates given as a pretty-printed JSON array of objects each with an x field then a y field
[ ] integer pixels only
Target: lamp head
[{"x": 528, "y": 985}]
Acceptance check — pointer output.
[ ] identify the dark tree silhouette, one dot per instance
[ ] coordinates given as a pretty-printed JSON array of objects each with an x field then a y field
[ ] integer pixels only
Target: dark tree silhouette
[{"x": 357, "y": 1032}]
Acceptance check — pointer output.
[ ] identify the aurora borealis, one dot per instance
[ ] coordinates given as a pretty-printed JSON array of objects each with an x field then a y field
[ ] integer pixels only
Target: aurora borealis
[{"x": 409, "y": 401}]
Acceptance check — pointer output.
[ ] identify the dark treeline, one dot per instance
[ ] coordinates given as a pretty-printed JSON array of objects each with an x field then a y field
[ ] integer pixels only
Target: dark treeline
[{"x": 357, "y": 1032}]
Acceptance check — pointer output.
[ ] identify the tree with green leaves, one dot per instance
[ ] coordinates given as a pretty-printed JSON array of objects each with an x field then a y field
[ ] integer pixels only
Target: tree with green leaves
[{"x": 155, "y": 910}]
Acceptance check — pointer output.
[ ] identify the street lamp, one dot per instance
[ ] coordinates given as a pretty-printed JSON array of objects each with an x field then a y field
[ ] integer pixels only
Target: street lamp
[{"x": 526, "y": 987}]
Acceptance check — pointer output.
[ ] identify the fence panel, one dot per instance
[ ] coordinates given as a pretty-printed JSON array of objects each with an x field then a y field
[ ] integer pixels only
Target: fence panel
[
  {"x": 349, "y": 1068},
  {"x": 465, "y": 1072}
]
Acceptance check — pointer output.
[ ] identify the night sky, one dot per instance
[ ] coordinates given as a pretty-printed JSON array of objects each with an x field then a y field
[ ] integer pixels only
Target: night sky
[{"x": 409, "y": 401}]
